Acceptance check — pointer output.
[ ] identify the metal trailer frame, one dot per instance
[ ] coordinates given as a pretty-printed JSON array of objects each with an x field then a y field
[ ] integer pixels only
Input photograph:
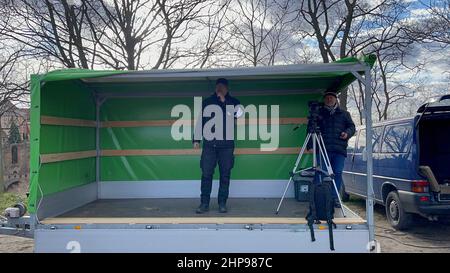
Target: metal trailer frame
[
  {"x": 28, "y": 226},
  {"x": 197, "y": 238}
]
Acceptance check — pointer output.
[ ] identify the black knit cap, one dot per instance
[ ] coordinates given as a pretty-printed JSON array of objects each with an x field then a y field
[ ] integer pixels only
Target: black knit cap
[
  {"x": 222, "y": 81},
  {"x": 330, "y": 93}
]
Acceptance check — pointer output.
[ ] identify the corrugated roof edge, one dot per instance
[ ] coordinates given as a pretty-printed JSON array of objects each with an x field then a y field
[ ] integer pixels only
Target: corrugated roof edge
[{"x": 76, "y": 73}]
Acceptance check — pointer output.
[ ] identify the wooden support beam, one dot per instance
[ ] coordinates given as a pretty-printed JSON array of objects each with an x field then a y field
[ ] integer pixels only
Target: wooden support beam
[
  {"x": 169, "y": 122},
  {"x": 237, "y": 151},
  {"x": 49, "y": 120},
  {"x": 57, "y": 157}
]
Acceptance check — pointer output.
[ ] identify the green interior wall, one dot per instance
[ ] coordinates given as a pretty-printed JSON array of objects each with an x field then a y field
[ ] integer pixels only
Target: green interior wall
[
  {"x": 67, "y": 99},
  {"x": 186, "y": 167},
  {"x": 60, "y": 93}
]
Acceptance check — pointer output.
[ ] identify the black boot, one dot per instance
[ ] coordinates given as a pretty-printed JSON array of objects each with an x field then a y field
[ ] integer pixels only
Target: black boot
[
  {"x": 223, "y": 208},
  {"x": 202, "y": 208}
]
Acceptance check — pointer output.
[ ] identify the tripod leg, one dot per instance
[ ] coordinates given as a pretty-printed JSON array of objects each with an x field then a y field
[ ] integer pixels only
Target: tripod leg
[
  {"x": 314, "y": 143},
  {"x": 300, "y": 155},
  {"x": 327, "y": 162},
  {"x": 284, "y": 194},
  {"x": 311, "y": 230},
  {"x": 330, "y": 234}
]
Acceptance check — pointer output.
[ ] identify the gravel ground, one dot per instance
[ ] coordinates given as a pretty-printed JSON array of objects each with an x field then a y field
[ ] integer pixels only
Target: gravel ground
[
  {"x": 425, "y": 236},
  {"x": 14, "y": 244}
]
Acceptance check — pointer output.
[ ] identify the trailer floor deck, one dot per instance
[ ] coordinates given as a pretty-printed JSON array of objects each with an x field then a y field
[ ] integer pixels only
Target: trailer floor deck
[{"x": 182, "y": 210}]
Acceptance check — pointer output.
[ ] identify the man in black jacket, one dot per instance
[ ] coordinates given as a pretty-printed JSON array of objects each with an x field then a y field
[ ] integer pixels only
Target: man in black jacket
[
  {"x": 336, "y": 127},
  {"x": 218, "y": 147}
]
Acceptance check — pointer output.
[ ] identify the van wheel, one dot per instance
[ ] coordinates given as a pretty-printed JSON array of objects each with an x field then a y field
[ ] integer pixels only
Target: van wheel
[
  {"x": 345, "y": 197},
  {"x": 396, "y": 215}
]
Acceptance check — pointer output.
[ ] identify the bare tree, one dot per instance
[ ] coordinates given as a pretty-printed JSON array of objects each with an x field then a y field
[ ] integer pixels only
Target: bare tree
[
  {"x": 259, "y": 29},
  {"x": 118, "y": 34},
  {"x": 357, "y": 95},
  {"x": 125, "y": 31},
  {"x": 283, "y": 15},
  {"x": 11, "y": 89},
  {"x": 388, "y": 89},
  {"x": 330, "y": 24},
  {"x": 386, "y": 38},
  {"x": 344, "y": 28},
  {"x": 51, "y": 29},
  {"x": 178, "y": 18},
  {"x": 435, "y": 24},
  {"x": 211, "y": 42}
]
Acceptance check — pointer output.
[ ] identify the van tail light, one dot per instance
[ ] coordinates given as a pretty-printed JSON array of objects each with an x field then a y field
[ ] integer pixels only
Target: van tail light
[{"x": 419, "y": 186}]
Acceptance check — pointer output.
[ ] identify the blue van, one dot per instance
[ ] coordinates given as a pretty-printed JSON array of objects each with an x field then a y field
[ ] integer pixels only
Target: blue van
[{"x": 411, "y": 165}]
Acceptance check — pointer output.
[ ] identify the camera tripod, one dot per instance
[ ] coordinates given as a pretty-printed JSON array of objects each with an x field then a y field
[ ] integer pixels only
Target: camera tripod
[{"x": 317, "y": 141}]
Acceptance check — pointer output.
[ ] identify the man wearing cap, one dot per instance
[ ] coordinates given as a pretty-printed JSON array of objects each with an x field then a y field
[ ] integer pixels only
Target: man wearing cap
[
  {"x": 217, "y": 150},
  {"x": 336, "y": 127}
]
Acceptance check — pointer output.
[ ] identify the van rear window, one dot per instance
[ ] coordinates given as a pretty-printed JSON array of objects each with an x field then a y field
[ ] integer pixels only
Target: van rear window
[{"x": 397, "y": 139}]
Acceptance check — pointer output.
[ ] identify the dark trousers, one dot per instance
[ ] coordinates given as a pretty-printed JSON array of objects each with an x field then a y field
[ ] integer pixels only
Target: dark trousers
[
  {"x": 337, "y": 164},
  {"x": 211, "y": 156}
]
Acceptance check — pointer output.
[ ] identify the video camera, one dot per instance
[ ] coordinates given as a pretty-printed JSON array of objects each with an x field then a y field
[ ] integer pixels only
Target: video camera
[{"x": 314, "y": 115}]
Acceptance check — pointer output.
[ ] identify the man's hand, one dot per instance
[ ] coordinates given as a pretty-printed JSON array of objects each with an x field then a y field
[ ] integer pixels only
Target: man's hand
[
  {"x": 344, "y": 135},
  {"x": 196, "y": 145}
]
